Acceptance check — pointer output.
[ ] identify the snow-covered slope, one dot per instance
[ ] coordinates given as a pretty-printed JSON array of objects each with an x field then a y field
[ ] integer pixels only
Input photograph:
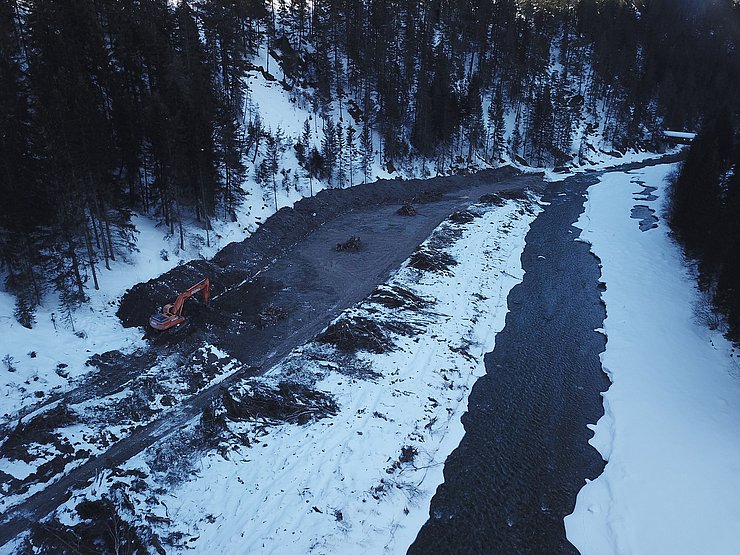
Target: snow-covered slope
[{"x": 670, "y": 430}]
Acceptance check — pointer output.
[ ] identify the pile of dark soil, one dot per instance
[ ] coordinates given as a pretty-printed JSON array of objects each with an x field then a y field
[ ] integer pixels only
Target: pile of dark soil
[
  {"x": 289, "y": 402},
  {"x": 115, "y": 362},
  {"x": 393, "y": 296},
  {"x": 145, "y": 299},
  {"x": 499, "y": 199},
  {"x": 463, "y": 217},
  {"x": 432, "y": 260},
  {"x": 351, "y": 244},
  {"x": 406, "y": 210},
  {"x": 356, "y": 333}
]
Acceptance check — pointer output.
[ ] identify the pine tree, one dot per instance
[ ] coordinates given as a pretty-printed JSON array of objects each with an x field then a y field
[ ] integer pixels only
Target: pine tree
[
  {"x": 351, "y": 150},
  {"x": 329, "y": 150},
  {"x": 366, "y": 150},
  {"x": 516, "y": 135},
  {"x": 496, "y": 125},
  {"x": 341, "y": 157}
]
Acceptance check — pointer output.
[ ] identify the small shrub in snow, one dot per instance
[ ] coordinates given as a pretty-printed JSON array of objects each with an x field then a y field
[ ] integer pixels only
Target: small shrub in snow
[{"x": 9, "y": 363}]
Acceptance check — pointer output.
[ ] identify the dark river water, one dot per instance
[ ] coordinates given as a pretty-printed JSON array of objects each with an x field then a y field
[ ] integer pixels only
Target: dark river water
[{"x": 525, "y": 453}]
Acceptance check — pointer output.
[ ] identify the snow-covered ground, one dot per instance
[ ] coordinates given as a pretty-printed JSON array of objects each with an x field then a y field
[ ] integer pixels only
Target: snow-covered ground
[
  {"x": 359, "y": 481},
  {"x": 671, "y": 428}
]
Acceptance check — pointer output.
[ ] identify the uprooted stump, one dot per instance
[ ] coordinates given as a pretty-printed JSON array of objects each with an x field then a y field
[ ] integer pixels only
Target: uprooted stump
[
  {"x": 357, "y": 333},
  {"x": 492, "y": 198},
  {"x": 40, "y": 430},
  {"x": 102, "y": 530},
  {"x": 432, "y": 260},
  {"x": 270, "y": 315},
  {"x": 351, "y": 244},
  {"x": 393, "y": 296},
  {"x": 288, "y": 402},
  {"x": 406, "y": 210},
  {"x": 462, "y": 217}
]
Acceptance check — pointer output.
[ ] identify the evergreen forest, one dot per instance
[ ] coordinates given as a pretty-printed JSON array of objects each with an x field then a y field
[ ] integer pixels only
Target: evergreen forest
[{"x": 110, "y": 107}]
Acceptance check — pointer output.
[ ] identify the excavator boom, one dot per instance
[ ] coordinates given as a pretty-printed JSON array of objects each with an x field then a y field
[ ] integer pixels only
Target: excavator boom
[{"x": 171, "y": 314}]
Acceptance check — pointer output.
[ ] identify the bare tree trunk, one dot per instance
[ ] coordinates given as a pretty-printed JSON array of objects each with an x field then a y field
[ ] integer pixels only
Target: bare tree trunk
[
  {"x": 91, "y": 258},
  {"x": 179, "y": 225},
  {"x": 76, "y": 270},
  {"x": 95, "y": 229},
  {"x": 106, "y": 250},
  {"x": 108, "y": 235}
]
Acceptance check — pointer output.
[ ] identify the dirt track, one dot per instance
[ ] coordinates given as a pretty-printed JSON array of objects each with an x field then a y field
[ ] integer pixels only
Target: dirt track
[{"x": 291, "y": 263}]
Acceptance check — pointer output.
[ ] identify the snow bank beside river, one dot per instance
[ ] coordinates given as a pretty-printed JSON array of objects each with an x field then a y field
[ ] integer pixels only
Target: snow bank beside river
[{"x": 671, "y": 425}]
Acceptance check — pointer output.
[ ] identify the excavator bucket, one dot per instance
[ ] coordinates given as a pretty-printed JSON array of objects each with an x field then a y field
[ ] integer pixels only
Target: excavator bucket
[{"x": 171, "y": 314}]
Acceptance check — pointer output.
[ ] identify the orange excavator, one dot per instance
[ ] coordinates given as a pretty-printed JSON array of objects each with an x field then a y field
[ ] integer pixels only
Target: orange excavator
[{"x": 171, "y": 314}]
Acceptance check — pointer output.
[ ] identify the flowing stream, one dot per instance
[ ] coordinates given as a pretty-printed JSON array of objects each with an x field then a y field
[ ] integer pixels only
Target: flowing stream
[{"x": 525, "y": 453}]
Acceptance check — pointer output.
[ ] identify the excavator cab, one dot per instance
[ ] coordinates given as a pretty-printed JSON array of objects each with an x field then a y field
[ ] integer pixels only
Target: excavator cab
[{"x": 171, "y": 314}]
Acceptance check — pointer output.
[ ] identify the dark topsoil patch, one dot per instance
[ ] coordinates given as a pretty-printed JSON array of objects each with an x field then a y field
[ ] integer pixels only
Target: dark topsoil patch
[
  {"x": 38, "y": 430},
  {"x": 240, "y": 261}
]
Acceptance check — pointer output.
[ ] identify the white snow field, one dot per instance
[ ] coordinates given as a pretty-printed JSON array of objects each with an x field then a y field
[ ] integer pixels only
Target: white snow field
[
  {"x": 359, "y": 481},
  {"x": 671, "y": 429}
]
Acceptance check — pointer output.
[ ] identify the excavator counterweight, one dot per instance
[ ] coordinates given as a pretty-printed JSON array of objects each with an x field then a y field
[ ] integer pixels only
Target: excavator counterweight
[{"x": 171, "y": 314}]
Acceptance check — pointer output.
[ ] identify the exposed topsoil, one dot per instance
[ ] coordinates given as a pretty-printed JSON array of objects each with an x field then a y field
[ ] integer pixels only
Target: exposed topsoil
[{"x": 238, "y": 264}]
